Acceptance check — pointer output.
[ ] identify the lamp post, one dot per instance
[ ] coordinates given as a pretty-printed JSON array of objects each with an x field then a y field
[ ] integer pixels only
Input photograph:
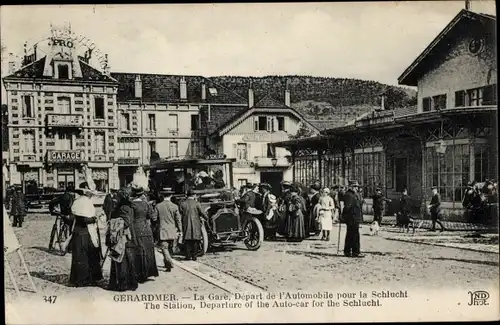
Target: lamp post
[{"x": 274, "y": 161}]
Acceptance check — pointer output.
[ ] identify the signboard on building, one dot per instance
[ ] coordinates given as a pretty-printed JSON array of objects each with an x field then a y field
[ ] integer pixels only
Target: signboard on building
[
  {"x": 265, "y": 137},
  {"x": 65, "y": 156},
  {"x": 128, "y": 161},
  {"x": 67, "y": 120}
]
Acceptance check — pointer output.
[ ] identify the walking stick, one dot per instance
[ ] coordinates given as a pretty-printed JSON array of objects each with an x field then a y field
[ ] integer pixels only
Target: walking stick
[{"x": 338, "y": 238}]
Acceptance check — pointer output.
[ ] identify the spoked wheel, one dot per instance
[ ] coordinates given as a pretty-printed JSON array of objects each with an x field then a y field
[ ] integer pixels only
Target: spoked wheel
[
  {"x": 204, "y": 241},
  {"x": 255, "y": 232}
]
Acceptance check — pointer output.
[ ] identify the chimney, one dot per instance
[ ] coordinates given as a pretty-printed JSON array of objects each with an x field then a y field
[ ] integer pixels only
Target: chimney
[
  {"x": 138, "y": 87},
  {"x": 203, "y": 91},
  {"x": 467, "y": 5},
  {"x": 250, "y": 95},
  {"x": 183, "y": 89},
  {"x": 287, "y": 95},
  {"x": 12, "y": 64}
]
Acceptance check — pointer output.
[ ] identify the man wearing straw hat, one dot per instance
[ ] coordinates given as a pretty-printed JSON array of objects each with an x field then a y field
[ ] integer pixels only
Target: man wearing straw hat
[{"x": 352, "y": 217}]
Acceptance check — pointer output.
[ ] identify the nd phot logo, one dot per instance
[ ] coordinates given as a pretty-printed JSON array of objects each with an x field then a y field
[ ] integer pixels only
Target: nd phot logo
[{"x": 479, "y": 298}]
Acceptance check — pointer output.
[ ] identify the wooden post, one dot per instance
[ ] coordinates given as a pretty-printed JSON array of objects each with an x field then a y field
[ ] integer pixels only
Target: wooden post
[
  {"x": 423, "y": 204},
  {"x": 343, "y": 164},
  {"x": 320, "y": 167}
]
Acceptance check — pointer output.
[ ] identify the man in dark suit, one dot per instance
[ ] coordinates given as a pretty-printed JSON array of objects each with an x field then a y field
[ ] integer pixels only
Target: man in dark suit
[
  {"x": 313, "y": 200},
  {"x": 170, "y": 228},
  {"x": 192, "y": 213},
  {"x": 18, "y": 206},
  {"x": 435, "y": 209},
  {"x": 379, "y": 205},
  {"x": 352, "y": 217},
  {"x": 248, "y": 199}
]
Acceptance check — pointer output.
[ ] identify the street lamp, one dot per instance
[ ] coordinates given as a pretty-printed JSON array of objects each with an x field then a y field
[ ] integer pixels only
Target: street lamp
[{"x": 274, "y": 161}]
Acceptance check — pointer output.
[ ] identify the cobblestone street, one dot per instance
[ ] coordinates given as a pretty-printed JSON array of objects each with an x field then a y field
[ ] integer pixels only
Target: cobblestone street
[{"x": 280, "y": 266}]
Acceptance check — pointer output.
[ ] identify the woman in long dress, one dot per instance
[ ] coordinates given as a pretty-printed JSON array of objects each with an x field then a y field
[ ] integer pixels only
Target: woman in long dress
[
  {"x": 144, "y": 213},
  {"x": 123, "y": 272},
  {"x": 85, "y": 242},
  {"x": 295, "y": 220},
  {"x": 326, "y": 208}
]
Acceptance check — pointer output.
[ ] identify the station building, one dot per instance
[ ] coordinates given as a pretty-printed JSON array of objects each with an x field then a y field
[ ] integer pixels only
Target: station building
[
  {"x": 447, "y": 140},
  {"x": 61, "y": 114}
]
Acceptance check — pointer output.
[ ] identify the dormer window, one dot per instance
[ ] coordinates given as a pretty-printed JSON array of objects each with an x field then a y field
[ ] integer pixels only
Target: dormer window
[
  {"x": 62, "y": 70},
  {"x": 213, "y": 91}
]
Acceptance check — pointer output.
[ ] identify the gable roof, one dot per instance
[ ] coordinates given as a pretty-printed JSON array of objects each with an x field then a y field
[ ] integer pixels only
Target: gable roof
[
  {"x": 35, "y": 69},
  {"x": 166, "y": 89},
  {"x": 268, "y": 101},
  {"x": 438, "y": 46}
]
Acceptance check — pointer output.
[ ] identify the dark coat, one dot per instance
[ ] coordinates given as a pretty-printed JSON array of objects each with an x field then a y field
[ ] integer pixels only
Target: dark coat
[
  {"x": 169, "y": 219},
  {"x": 379, "y": 202},
  {"x": 143, "y": 214},
  {"x": 64, "y": 201},
  {"x": 18, "y": 204},
  {"x": 265, "y": 201},
  {"x": 110, "y": 204},
  {"x": 405, "y": 204},
  {"x": 248, "y": 200},
  {"x": 192, "y": 213},
  {"x": 435, "y": 204},
  {"x": 353, "y": 209}
]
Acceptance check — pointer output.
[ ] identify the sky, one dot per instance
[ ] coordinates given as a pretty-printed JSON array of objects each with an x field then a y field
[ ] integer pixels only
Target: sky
[{"x": 369, "y": 40}]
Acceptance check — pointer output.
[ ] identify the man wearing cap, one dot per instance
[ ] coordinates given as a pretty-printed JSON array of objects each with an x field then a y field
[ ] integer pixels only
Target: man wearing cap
[
  {"x": 352, "y": 217},
  {"x": 435, "y": 209},
  {"x": 18, "y": 206},
  {"x": 379, "y": 205}
]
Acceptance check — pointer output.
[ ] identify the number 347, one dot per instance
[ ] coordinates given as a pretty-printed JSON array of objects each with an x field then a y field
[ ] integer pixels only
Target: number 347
[{"x": 50, "y": 299}]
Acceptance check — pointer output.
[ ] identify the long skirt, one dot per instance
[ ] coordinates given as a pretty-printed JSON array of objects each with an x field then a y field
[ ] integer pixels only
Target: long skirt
[
  {"x": 326, "y": 220},
  {"x": 145, "y": 260},
  {"x": 296, "y": 227},
  {"x": 122, "y": 276},
  {"x": 85, "y": 260}
]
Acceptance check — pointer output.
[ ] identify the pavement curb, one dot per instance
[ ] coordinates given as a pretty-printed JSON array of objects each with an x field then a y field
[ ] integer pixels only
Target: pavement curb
[{"x": 441, "y": 245}]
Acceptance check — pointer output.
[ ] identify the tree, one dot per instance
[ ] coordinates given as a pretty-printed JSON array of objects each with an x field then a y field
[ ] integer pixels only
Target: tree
[{"x": 303, "y": 132}]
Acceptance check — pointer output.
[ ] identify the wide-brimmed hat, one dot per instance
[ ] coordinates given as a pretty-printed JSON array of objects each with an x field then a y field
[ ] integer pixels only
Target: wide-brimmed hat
[
  {"x": 353, "y": 183},
  {"x": 286, "y": 184},
  {"x": 84, "y": 189},
  {"x": 272, "y": 198},
  {"x": 326, "y": 190},
  {"x": 266, "y": 185}
]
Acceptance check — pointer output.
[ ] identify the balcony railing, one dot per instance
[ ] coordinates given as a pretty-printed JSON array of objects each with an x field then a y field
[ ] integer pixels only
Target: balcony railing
[
  {"x": 150, "y": 133},
  {"x": 272, "y": 162},
  {"x": 65, "y": 120},
  {"x": 27, "y": 157},
  {"x": 65, "y": 156}
]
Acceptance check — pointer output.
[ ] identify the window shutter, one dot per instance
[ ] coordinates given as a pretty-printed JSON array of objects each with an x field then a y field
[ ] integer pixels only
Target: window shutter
[
  {"x": 235, "y": 150},
  {"x": 269, "y": 124},
  {"x": 249, "y": 152},
  {"x": 284, "y": 124},
  {"x": 255, "y": 123}
]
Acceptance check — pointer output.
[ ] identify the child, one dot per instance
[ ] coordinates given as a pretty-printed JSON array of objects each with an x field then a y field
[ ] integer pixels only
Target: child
[{"x": 326, "y": 207}]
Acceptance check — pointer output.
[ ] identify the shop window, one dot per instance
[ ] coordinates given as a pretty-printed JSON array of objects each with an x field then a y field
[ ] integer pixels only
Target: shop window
[
  {"x": 195, "y": 122},
  {"x": 99, "y": 107},
  {"x": 174, "y": 149},
  {"x": 449, "y": 172},
  {"x": 482, "y": 163},
  {"x": 28, "y": 109},
  {"x": 241, "y": 151},
  {"x": 439, "y": 102},
  {"x": 152, "y": 122},
  {"x": 281, "y": 123}
]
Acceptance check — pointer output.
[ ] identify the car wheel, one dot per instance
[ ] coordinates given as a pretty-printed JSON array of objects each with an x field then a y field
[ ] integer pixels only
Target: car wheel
[{"x": 255, "y": 232}]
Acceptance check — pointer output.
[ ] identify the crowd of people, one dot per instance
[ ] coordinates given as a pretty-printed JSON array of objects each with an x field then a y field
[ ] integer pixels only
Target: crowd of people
[{"x": 135, "y": 225}]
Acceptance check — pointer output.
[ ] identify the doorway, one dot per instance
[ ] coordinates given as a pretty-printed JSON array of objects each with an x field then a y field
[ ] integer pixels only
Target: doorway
[
  {"x": 65, "y": 179},
  {"x": 274, "y": 179}
]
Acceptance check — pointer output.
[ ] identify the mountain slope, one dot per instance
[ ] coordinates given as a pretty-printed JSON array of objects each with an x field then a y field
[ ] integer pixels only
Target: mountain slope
[{"x": 320, "y": 98}]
